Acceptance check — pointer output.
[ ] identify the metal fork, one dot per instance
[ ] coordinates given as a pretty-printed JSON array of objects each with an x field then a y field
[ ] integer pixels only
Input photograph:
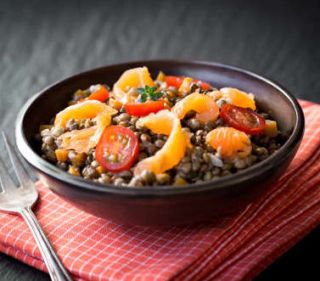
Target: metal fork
[{"x": 20, "y": 200}]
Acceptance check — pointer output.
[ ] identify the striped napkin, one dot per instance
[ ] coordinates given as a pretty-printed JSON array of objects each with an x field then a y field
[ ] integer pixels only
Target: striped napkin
[{"x": 233, "y": 248}]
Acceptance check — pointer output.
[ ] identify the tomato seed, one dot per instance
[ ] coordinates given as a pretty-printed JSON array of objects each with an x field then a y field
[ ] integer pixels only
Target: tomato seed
[{"x": 113, "y": 158}]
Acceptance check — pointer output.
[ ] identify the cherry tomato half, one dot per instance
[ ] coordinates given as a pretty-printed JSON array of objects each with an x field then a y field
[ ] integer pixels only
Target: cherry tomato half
[
  {"x": 243, "y": 119},
  {"x": 100, "y": 95},
  {"x": 176, "y": 81},
  {"x": 118, "y": 148},
  {"x": 204, "y": 85},
  {"x": 143, "y": 109}
]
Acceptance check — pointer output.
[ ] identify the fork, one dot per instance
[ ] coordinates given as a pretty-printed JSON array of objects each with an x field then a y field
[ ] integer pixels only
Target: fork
[{"x": 19, "y": 200}]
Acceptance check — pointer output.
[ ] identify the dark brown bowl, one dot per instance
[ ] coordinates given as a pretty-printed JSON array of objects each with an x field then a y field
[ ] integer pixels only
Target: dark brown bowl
[{"x": 164, "y": 205}]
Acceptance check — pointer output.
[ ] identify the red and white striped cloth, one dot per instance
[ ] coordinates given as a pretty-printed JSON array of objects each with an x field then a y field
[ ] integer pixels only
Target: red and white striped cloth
[{"x": 234, "y": 248}]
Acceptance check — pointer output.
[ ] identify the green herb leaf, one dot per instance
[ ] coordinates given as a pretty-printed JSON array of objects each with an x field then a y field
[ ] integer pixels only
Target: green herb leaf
[
  {"x": 156, "y": 95},
  {"x": 149, "y": 93}
]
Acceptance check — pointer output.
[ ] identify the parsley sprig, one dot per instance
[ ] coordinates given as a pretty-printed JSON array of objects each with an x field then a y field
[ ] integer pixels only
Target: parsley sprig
[{"x": 149, "y": 93}]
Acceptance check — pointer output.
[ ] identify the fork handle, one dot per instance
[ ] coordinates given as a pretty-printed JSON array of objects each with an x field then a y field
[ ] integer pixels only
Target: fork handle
[{"x": 55, "y": 268}]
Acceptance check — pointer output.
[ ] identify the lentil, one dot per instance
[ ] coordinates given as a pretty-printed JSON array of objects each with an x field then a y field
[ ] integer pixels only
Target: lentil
[
  {"x": 119, "y": 181},
  {"x": 196, "y": 166},
  {"x": 104, "y": 179},
  {"x": 152, "y": 149},
  {"x": 179, "y": 181},
  {"x": 207, "y": 176},
  {"x": 194, "y": 124},
  {"x": 56, "y": 132},
  {"x": 148, "y": 177},
  {"x": 124, "y": 117},
  {"x": 49, "y": 140},
  {"x": 241, "y": 163},
  {"x": 159, "y": 143},
  {"x": 145, "y": 138},
  {"x": 185, "y": 168},
  {"x": 89, "y": 172},
  {"x": 125, "y": 175},
  {"x": 71, "y": 125},
  {"x": 135, "y": 181},
  {"x": 163, "y": 178}
]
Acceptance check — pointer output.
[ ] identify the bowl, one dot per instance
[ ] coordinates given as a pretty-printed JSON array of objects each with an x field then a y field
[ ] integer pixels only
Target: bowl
[{"x": 164, "y": 205}]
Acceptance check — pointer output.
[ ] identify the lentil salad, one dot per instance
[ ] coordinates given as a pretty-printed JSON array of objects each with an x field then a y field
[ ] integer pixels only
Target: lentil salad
[{"x": 169, "y": 131}]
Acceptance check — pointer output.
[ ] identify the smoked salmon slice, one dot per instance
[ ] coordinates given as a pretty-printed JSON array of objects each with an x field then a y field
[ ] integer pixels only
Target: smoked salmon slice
[
  {"x": 205, "y": 106},
  {"x": 238, "y": 98},
  {"x": 229, "y": 142},
  {"x": 167, "y": 123},
  {"x": 83, "y": 140},
  {"x": 132, "y": 78}
]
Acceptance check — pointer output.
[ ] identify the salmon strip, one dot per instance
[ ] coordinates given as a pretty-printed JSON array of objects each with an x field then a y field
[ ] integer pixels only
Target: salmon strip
[
  {"x": 85, "y": 139},
  {"x": 205, "y": 106},
  {"x": 238, "y": 98},
  {"x": 229, "y": 142},
  {"x": 167, "y": 123},
  {"x": 132, "y": 78}
]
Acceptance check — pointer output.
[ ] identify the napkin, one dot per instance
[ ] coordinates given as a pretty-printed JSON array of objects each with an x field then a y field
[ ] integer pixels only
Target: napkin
[{"x": 233, "y": 248}]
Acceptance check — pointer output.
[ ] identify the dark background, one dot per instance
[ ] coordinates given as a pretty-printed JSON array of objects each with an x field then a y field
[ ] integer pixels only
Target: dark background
[{"x": 44, "y": 41}]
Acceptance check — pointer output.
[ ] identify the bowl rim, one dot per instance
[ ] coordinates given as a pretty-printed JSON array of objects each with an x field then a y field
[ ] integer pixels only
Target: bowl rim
[{"x": 221, "y": 183}]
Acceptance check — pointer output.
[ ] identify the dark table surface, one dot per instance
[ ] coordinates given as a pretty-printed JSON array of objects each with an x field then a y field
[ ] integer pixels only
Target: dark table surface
[{"x": 44, "y": 41}]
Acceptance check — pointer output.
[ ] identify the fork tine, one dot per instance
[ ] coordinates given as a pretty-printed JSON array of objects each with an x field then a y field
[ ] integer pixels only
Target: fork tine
[
  {"x": 6, "y": 182},
  {"x": 23, "y": 178}
]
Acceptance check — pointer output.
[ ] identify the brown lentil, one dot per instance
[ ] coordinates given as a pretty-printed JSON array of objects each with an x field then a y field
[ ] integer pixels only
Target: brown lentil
[
  {"x": 194, "y": 124},
  {"x": 179, "y": 181},
  {"x": 159, "y": 143},
  {"x": 119, "y": 181},
  {"x": 163, "y": 178},
  {"x": 89, "y": 172}
]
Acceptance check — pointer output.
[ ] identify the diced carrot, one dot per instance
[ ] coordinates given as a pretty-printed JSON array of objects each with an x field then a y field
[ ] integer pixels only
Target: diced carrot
[
  {"x": 115, "y": 103},
  {"x": 185, "y": 87},
  {"x": 100, "y": 170},
  {"x": 61, "y": 155},
  {"x": 161, "y": 76},
  {"x": 271, "y": 128},
  {"x": 74, "y": 171}
]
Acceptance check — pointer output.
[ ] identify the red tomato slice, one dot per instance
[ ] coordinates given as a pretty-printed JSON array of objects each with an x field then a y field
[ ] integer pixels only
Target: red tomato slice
[
  {"x": 176, "y": 81},
  {"x": 118, "y": 149},
  {"x": 204, "y": 85},
  {"x": 143, "y": 109},
  {"x": 243, "y": 119},
  {"x": 100, "y": 95}
]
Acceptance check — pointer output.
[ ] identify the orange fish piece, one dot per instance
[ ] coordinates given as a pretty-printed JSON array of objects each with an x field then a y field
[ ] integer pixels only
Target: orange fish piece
[
  {"x": 205, "y": 106},
  {"x": 167, "y": 123},
  {"x": 229, "y": 142},
  {"x": 132, "y": 78},
  {"x": 238, "y": 98},
  {"x": 83, "y": 140}
]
